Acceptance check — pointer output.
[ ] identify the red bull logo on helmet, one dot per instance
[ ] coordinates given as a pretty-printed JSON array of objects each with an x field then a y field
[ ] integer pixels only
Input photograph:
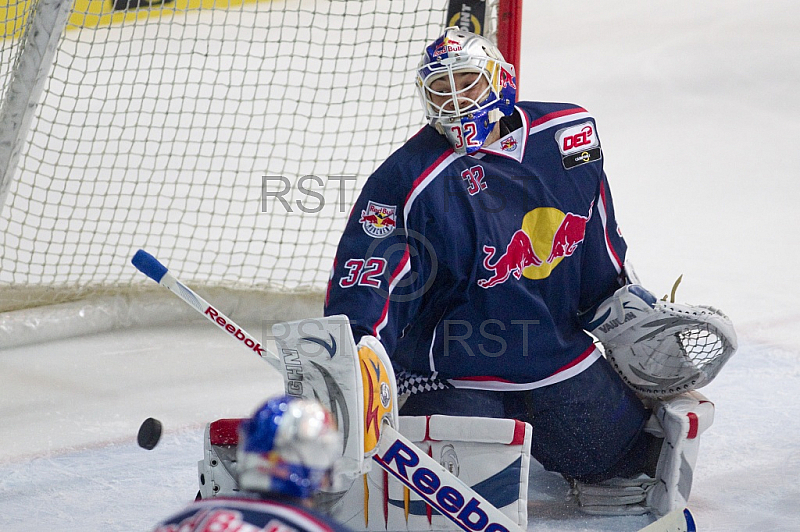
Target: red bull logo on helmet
[
  {"x": 378, "y": 220},
  {"x": 445, "y": 46},
  {"x": 507, "y": 79},
  {"x": 546, "y": 238}
]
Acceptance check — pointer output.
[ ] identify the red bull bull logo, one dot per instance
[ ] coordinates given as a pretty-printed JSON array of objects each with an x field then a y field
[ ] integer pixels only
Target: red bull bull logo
[
  {"x": 378, "y": 220},
  {"x": 508, "y": 144},
  {"x": 507, "y": 79},
  {"x": 519, "y": 254},
  {"x": 568, "y": 235},
  {"x": 546, "y": 232}
]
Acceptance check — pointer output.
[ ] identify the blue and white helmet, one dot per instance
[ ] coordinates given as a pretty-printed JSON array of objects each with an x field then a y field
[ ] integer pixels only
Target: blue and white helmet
[
  {"x": 288, "y": 447},
  {"x": 465, "y": 114}
]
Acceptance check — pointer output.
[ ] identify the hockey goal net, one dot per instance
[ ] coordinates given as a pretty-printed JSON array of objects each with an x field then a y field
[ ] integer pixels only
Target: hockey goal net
[{"x": 228, "y": 138}]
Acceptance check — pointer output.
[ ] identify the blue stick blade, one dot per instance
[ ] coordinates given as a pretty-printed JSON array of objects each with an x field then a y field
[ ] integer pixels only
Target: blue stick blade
[{"x": 149, "y": 265}]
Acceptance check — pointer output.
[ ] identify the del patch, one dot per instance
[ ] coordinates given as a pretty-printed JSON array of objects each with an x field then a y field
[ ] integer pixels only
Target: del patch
[
  {"x": 378, "y": 220},
  {"x": 578, "y": 145}
]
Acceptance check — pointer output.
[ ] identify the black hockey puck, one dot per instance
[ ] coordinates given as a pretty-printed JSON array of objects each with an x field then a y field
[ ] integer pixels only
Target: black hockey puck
[{"x": 149, "y": 433}]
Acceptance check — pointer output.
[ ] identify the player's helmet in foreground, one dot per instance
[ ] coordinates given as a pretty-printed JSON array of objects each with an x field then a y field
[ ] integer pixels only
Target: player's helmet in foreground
[
  {"x": 288, "y": 447},
  {"x": 466, "y": 119}
]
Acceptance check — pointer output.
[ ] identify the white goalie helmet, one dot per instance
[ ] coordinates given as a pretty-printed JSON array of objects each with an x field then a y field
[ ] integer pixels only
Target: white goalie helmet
[{"x": 466, "y": 86}]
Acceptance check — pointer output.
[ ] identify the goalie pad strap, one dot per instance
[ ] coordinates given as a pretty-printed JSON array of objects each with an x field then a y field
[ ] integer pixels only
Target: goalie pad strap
[{"x": 441, "y": 428}]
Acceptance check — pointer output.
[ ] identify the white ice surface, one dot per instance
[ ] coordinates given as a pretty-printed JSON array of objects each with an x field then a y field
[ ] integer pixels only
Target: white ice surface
[{"x": 697, "y": 108}]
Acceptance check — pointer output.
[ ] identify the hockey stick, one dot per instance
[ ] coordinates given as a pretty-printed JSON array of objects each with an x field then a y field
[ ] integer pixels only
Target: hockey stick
[
  {"x": 396, "y": 454},
  {"x": 151, "y": 267}
]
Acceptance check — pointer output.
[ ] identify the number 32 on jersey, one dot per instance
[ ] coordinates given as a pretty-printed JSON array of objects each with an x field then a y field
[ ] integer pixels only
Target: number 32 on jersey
[{"x": 363, "y": 272}]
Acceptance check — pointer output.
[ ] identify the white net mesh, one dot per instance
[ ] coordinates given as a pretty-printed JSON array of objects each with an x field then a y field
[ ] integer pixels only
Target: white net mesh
[{"x": 157, "y": 126}]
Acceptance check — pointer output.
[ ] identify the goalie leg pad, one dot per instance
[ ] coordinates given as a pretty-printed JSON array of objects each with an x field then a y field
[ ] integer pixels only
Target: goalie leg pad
[
  {"x": 681, "y": 421},
  {"x": 491, "y": 455},
  {"x": 678, "y": 422},
  {"x": 217, "y": 470}
]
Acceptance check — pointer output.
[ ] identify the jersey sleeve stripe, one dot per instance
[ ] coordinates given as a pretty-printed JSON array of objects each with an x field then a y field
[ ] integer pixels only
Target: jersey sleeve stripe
[
  {"x": 583, "y": 356},
  {"x": 558, "y": 117},
  {"x": 612, "y": 253},
  {"x": 403, "y": 267},
  {"x": 330, "y": 283},
  {"x": 426, "y": 177}
]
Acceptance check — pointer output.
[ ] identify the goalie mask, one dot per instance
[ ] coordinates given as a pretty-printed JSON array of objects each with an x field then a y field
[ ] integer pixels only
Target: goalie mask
[
  {"x": 466, "y": 86},
  {"x": 288, "y": 447}
]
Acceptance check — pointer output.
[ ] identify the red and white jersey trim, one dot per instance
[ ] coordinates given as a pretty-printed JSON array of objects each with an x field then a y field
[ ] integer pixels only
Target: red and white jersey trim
[
  {"x": 577, "y": 366},
  {"x": 516, "y": 141},
  {"x": 557, "y": 118},
  {"x": 602, "y": 211},
  {"x": 425, "y": 179}
]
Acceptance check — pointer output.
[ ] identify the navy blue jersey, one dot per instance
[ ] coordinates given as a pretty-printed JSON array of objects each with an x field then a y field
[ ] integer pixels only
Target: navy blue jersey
[
  {"x": 476, "y": 268},
  {"x": 247, "y": 515}
]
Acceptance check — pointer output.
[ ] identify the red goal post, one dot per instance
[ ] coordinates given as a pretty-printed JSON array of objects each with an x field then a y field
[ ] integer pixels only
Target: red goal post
[{"x": 509, "y": 31}]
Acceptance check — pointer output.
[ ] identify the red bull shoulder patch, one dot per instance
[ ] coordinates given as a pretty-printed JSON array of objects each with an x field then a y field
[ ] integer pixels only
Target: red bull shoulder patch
[{"x": 378, "y": 220}]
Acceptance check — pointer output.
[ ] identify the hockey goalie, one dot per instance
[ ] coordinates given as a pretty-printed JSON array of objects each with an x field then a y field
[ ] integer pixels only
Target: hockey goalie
[
  {"x": 479, "y": 263},
  {"x": 663, "y": 351},
  {"x": 484, "y": 253}
]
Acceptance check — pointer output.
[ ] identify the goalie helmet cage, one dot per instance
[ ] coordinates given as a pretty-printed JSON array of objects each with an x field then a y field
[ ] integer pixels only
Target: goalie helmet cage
[{"x": 228, "y": 137}]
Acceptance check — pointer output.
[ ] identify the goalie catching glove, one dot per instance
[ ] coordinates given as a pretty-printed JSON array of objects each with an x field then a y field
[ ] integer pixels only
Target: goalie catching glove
[{"x": 662, "y": 349}]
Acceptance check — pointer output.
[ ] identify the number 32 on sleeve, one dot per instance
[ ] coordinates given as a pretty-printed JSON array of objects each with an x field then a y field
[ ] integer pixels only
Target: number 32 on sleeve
[{"x": 363, "y": 272}]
